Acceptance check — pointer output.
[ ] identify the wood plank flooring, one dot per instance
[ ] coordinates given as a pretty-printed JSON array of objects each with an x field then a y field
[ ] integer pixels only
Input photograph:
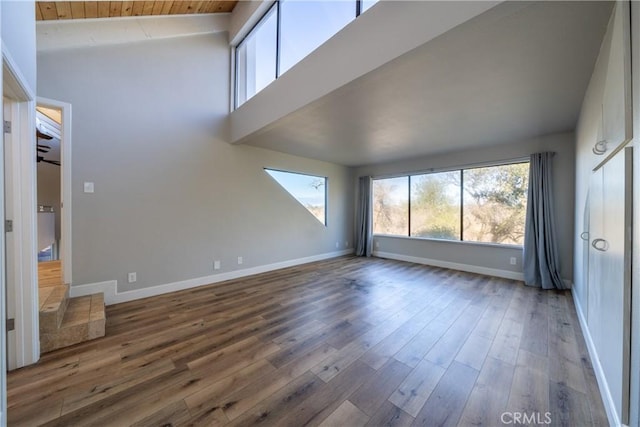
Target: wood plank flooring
[
  {"x": 343, "y": 342},
  {"x": 49, "y": 273}
]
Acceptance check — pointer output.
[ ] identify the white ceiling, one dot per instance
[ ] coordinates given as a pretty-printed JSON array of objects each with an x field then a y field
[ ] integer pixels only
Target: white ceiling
[{"x": 488, "y": 81}]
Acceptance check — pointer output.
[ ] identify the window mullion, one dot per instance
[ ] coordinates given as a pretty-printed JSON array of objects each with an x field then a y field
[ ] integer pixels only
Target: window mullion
[
  {"x": 409, "y": 206},
  {"x": 461, "y": 205},
  {"x": 278, "y": 45}
]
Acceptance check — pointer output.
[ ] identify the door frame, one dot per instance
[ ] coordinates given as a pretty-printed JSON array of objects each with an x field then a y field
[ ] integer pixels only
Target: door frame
[
  {"x": 65, "y": 184},
  {"x": 3, "y": 288},
  {"x": 25, "y": 345}
]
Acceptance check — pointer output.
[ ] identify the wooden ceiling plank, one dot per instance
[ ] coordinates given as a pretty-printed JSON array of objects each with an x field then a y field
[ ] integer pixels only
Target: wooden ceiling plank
[
  {"x": 91, "y": 9},
  {"x": 157, "y": 7},
  {"x": 203, "y": 7},
  {"x": 127, "y": 8},
  {"x": 115, "y": 8},
  {"x": 103, "y": 9},
  {"x": 147, "y": 9},
  {"x": 175, "y": 8},
  {"x": 63, "y": 9},
  {"x": 181, "y": 7},
  {"x": 207, "y": 7},
  {"x": 47, "y": 11},
  {"x": 213, "y": 6},
  {"x": 187, "y": 7},
  {"x": 38, "y": 12},
  {"x": 230, "y": 5},
  {"x": 193, "y": 7},
  {"x": 77, "y": 10},
  {"x": 166, "y": 7},
  {"x": 138, "y": 6},
  {"x": 221, "y": 6}
]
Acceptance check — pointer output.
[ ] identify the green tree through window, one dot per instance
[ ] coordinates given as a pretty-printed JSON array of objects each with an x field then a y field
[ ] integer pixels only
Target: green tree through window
[{"x": 490, "y": 200}]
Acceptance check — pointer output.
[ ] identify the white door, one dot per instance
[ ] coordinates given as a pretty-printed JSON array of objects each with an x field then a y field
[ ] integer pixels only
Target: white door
[
  {"x": 596, "y": 230},
  {"x": 9, "y": 243},
  {"x": 3, "y": 301},
  {"x": 610, "y": 275}
]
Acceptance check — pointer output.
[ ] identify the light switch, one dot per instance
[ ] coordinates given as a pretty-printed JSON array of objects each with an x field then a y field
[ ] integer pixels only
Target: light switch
[{"x": 88, "y": 187}]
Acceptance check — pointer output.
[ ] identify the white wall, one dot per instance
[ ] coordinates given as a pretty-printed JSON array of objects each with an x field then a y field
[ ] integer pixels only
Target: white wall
[
  {"x": 19, "y": 36},
  {"x": 483, "y": 257},
  {"x": 170, "y": 194}
]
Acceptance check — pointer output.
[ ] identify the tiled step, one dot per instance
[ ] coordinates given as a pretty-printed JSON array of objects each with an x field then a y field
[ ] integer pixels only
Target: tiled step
[
  {"x": 84, "y": 319},
  {"x": 53, "y": 303}
]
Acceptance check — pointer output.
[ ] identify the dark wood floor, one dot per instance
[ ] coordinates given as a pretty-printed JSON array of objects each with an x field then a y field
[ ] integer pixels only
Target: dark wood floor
[{"x": 343, "y": 342}]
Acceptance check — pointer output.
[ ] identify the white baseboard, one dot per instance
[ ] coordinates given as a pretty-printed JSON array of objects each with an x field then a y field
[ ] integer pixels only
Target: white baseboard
[
  {"x": 113, "y": 296},
  {"x": 513, "y": 275},
  {"x": 605, "y": 393}
]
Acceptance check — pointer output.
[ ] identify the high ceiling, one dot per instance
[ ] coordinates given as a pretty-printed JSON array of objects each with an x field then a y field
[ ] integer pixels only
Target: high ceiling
[
  {"x": 489, "y": 81},
  {"x": 51, "y": 11}
]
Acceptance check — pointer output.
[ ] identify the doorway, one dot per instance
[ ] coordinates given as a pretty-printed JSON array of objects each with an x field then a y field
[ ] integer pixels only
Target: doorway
[
  {"x": 53, "y": 131},
  {"x": 49, "y": 184}
]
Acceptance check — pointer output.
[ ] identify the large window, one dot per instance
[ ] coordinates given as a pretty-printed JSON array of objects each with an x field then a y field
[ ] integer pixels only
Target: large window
[
  {"x": 305, "y": 25},
  {"x": 495, "y": 201},
  {"x": 309, "y": 190},
  {"x": 391, "y": 206},
  {"x": 288, "y": 32},
  {"x": 485, "y": 204},
  {"x": 256, "y": 58},
  {"x": 435, "y": 205}
]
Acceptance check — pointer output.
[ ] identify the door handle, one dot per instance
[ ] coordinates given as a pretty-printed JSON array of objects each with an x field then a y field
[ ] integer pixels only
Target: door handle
[
  {"x": 600, "y": 245},
  {"x": 600, "y": 148}
]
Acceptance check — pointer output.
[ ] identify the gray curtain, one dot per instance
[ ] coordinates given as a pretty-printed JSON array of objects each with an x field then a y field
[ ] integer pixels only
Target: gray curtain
[
  {"x": 541, "y": 262},
  {"x": 364, "y": 235}
]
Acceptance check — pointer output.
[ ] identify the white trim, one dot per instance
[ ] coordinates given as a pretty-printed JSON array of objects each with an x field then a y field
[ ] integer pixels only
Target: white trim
[
  {"x": 3, "y": 302},
  {"x": 14, "y": 71},
  {"x": 605, "y": 393},
  {"x": 65, "y": 194},
  {"x": 26, "y": 343},
  {"x": 112, "y": 296},
  {"x": 513, "y": 275}
]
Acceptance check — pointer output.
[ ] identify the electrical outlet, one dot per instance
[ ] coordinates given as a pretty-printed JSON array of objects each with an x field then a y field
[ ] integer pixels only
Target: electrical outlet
[
  {"x": 377, "y": 245},
  {"x": 240, "y": 260},
  {"x": 512, "y": 260},
  {"x": 88, "y": 187},
  {"x": 132, "y": 277},
  {"x": 216, "y": 265}
]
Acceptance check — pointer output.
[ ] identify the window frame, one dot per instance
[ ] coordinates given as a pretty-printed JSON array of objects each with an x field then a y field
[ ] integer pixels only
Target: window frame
[
  {"x": 460, "y": 169},
  {"x": 276, "y": 5},
  {"x": 326, "y": 189},
  {"x": 259, "y": 22}
]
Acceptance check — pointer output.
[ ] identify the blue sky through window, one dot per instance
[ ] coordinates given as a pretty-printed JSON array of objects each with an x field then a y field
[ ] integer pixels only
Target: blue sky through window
[
  {"x": 308, "y": 190},
  {"x": 305, "y": 25}
]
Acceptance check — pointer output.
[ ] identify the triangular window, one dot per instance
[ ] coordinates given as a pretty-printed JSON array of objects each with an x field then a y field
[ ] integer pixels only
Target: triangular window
[{"x": 309, "y": 190}]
